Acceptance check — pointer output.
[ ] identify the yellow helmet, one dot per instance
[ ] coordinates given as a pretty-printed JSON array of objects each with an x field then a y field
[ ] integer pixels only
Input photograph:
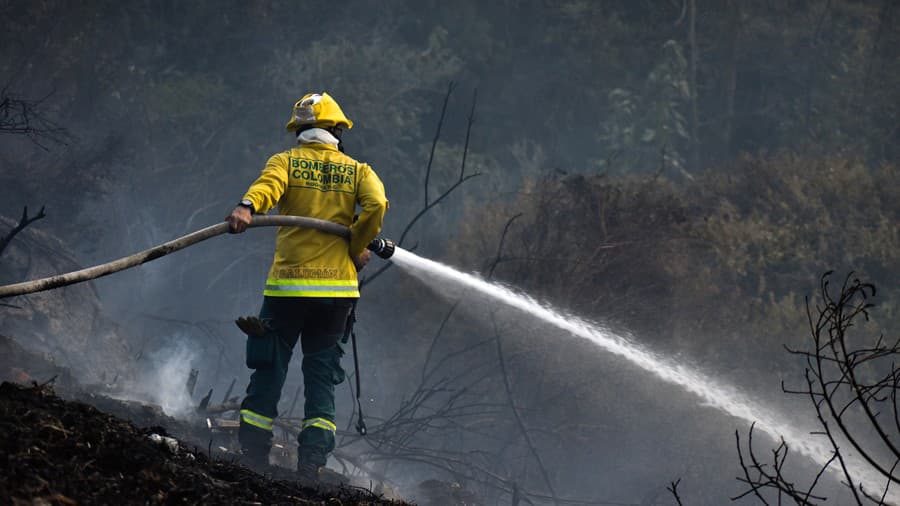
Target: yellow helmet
[{"x": 318, "y": 110}]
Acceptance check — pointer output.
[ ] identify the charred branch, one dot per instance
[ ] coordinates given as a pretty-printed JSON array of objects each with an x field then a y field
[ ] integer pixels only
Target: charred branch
[
  {"x": 518, "y": 417},
  {"x": 673, "y": 489},
  {"x": 430, "y": 204},
  {"x": 26, "y": 117},
  {"x": 24, "y": 221},
  {"x": 760, "y": 476},
  {"x": 845, "y": 378}
]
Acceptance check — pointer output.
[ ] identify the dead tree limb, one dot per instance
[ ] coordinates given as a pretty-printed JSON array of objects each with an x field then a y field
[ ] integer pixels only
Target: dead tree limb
[
  {"x": 759, "y": 476},
  {"x": 845, "y": 377},
  {"x": 499, "y": 257},
  {"x": 23, "y": 222},
  {"x": 437, "y": 136},
  {"x": 470, "y": 122},
  {"x": 430, "y": 204},
  {"x": 673, "y": 489},
  {"x": 518, "y": 417},
  {"x": 26, "y": 117},
  {"x": 834, "y": 364},
  {"x": 434, "y": 341},
  {"x": 505, "y": 375}
]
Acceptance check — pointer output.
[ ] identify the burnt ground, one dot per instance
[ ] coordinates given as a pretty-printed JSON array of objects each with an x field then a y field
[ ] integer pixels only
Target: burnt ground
[
  {"x": 61, "y": 452},
  {"x": 55, "y": 451}
]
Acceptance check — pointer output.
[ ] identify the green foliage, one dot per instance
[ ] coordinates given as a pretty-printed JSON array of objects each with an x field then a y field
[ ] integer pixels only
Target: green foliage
[{"x": 649, "y": 126}]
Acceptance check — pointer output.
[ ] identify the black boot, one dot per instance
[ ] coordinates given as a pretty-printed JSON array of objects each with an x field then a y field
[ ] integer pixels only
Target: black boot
[
  {"x": 308, "y": 474},
  {"x": 255, "y": 460},
  {"x": 312, "y": 475}
]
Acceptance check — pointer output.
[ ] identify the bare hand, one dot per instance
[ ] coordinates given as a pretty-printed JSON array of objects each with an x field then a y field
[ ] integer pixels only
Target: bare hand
[
  {"x": 238, "y": 220},
  {"x": 361, "y": 261}
]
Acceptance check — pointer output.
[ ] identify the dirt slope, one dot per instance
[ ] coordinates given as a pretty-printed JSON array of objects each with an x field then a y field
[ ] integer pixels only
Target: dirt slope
[{"x": 63, "y": 453}]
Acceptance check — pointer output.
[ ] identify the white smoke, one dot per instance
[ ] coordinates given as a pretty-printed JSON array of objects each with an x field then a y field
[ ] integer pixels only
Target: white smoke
[
  {"x": 162, "y": 378},
  {"x": 168, "y": 378}
]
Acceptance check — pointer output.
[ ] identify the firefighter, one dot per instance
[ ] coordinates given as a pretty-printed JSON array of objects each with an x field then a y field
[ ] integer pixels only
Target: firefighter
[{"x": 312, "y": 285}]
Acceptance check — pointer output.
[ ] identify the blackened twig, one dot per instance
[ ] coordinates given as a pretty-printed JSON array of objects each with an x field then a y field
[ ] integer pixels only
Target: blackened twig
[
  {"x": 23, "y": 222},
  {"x": 673, "y": 488}
]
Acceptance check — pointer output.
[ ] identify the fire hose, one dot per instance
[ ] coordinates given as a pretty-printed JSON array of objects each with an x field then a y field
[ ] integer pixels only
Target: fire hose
[{"x": 380, "y": 246}]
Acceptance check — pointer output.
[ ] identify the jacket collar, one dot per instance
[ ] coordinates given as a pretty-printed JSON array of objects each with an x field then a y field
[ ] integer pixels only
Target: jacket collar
[{"x": 317, "y": 136}]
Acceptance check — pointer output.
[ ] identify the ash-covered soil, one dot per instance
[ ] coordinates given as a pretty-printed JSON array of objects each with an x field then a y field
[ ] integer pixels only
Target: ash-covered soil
[{"x": 60, "y": 452}]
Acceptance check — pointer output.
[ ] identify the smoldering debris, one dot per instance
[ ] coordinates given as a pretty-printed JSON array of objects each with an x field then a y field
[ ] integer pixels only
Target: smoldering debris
[
  {"x": 63, "y": 452},
  {"x": 165, "y": 378},
  {"x": 53, "y": 453}
]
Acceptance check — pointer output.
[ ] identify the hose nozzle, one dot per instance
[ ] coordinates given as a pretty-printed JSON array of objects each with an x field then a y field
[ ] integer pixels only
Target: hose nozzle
[{"x": 382, "y": 247}]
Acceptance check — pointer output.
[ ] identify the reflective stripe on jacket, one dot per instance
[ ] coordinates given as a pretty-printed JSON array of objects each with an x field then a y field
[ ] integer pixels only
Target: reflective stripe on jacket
[{"x": 318, "y": 181}]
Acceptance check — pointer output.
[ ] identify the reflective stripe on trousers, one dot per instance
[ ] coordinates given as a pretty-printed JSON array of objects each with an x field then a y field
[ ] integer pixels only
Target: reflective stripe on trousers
[
  {"x": 256, "y": 419},
  {"x": 320, "y": 423}
]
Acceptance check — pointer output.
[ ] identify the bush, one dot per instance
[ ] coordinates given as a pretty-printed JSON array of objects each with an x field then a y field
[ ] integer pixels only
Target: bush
[{"x": 689, "y": 262}]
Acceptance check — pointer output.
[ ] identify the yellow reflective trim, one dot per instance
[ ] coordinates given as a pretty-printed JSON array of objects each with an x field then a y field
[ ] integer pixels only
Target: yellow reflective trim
[
  {"x": 321, "y": 423},
  {"x": 256, "y": 420},
  {"x": 256, "y": 415},
  {"x": 313, "y": 282},
  {"x": 304, "y": 288},
  {"x": 308, "y": 293},
  {"x": 312, "y": 288}
]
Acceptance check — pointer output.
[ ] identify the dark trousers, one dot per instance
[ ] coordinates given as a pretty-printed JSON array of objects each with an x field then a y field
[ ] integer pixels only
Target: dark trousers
[{"x": 319, "y": 323}]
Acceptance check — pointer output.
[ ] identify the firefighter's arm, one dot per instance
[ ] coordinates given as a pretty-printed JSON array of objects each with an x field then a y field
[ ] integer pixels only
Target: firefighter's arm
[
  {"x": 264, "y": 193},
  {"x": 370, "y": 197}
]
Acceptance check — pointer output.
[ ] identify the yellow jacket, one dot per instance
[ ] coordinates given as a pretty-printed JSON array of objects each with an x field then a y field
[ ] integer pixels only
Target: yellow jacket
[{"x": 318, "y": 181}]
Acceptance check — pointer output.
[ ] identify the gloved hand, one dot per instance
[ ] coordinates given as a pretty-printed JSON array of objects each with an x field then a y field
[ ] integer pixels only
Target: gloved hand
[{"x": 252, "y": 326}]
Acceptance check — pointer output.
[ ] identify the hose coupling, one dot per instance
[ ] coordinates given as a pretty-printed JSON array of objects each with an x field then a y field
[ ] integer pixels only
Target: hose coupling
[{"x": 382, "y": 247}]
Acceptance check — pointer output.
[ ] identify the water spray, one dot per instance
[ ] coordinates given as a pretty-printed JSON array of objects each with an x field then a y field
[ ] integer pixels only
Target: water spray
[{"x": 711, "y": 392}]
